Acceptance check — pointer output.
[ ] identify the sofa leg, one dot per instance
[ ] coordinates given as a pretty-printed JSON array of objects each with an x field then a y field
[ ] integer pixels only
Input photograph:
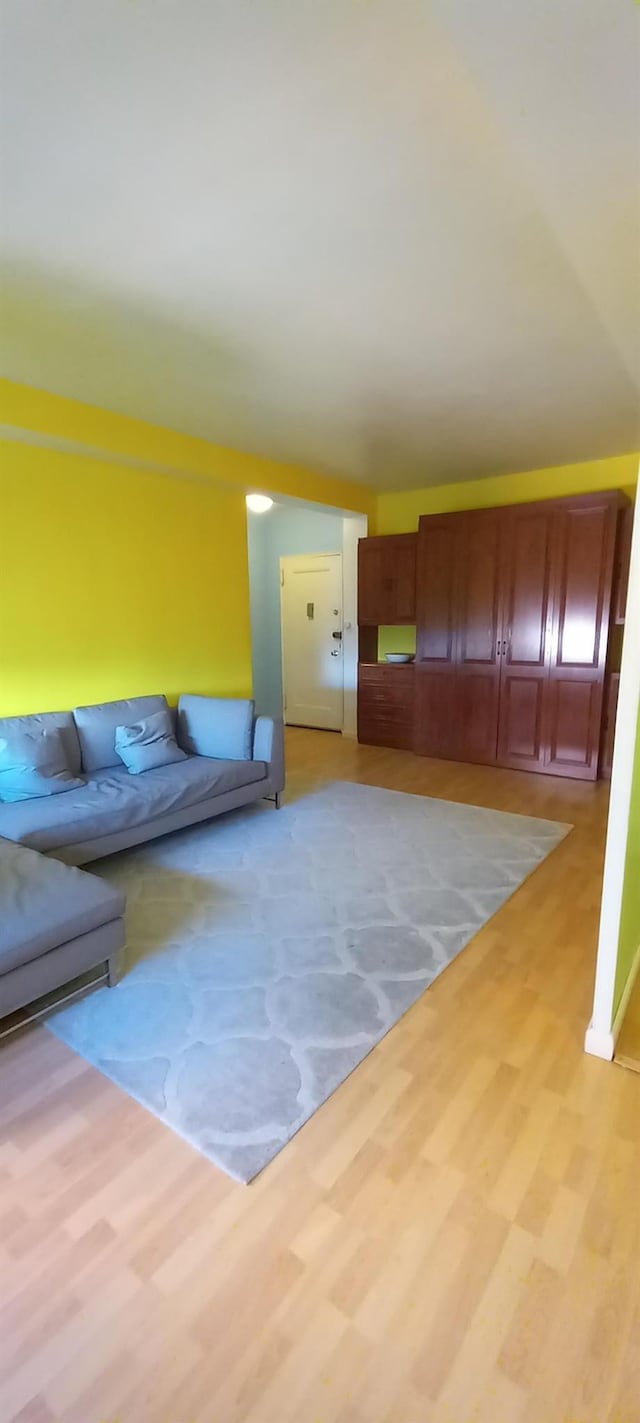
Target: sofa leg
[
  {"x": 278, "y": 799},
  {"x": 113, "y": 970}
]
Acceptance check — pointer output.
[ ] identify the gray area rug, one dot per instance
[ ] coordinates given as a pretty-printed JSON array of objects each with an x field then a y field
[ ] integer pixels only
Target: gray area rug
[{"x": 269, "y": 951}]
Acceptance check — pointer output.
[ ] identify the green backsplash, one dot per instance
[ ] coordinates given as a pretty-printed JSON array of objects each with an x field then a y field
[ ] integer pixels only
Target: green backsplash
[{"x": 396, "y": 639}]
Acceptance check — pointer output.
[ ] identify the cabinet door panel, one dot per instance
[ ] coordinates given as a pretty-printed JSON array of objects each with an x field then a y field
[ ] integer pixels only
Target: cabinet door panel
[
  {"x": 574, "y": 727},
  {"x": 399, "y": 580},
  {"x": 479, "y": 633},
  {"x": 387, "y": 579},
  {"x": 582, "y": 537},
  {"x": 525, "y": 662},
  {"x": 369, "y": 582},
  {"x": 477, "y": 697},
  {"x": 436, "y": 611},
  {"x": 479, "y": 575},
  {"x": 520, "y": 742},
  {"x": 436, "y": 615},
  {"x": 436, "y": 713},
  {"x": 584, "y": 540},
  {"x": 527, "y": 568}
]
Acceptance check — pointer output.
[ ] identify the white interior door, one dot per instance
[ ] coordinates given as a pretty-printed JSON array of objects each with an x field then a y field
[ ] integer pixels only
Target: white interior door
[{"x": 312, "y": 668}]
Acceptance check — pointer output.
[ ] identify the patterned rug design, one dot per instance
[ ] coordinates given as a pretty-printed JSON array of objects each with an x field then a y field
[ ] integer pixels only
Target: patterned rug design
[{"x": 269, "y": 951}]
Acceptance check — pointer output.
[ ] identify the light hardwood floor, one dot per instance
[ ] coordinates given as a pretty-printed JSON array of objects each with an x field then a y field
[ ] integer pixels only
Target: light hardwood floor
[{"x": 453, "y": 1238}]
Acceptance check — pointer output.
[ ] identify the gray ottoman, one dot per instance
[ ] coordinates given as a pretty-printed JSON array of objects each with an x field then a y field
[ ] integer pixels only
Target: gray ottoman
[{"x": 55, "y": 923}]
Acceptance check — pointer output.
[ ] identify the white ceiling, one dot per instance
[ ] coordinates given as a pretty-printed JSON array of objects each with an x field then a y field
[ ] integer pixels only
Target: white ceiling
[{"x": 394, "y": 239}]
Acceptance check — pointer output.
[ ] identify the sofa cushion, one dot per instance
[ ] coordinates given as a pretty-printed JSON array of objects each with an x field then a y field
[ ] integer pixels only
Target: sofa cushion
[
  {"x": 113, "y": 801},
  {"x": 148, "y": 743},
  {"x": 44, "y": 721},
  {"x": 33, "y": 763},
  {"x": 45, "y": 904},
  {"x": 216, "y": 726},
  {"x": 96, "y": 728}
]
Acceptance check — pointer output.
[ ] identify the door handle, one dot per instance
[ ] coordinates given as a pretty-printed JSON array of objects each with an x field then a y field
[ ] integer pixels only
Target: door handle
[{"x": 337, "y": 635}]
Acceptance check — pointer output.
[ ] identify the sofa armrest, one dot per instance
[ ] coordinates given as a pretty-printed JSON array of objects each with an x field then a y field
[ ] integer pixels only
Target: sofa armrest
[{"x": 268, "y": 745}]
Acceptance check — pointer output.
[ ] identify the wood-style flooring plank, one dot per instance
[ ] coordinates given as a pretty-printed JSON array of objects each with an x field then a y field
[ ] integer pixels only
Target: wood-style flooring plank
[{"x": 454, "y": 1237}]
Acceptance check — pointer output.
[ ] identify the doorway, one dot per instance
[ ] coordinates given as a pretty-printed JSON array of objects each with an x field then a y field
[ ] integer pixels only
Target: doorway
[{"x": 312, "y": 640}]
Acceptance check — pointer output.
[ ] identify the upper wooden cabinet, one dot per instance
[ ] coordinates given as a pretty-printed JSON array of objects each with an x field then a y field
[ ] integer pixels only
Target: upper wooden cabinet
[{"x": 387, "y": 580}]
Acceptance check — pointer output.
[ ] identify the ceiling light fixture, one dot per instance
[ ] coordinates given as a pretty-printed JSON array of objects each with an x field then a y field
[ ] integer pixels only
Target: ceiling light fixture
[{"x": 259, "y": 503}]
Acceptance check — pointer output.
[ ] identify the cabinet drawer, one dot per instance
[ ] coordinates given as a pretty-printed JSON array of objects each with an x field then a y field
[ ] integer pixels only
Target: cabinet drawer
[
  {"x": 385, "y": 706},
  {"x": 392, "y": 678}
]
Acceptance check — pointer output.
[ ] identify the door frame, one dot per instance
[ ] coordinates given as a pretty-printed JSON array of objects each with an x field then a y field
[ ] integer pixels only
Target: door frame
[{"x": 284, "y": 559}]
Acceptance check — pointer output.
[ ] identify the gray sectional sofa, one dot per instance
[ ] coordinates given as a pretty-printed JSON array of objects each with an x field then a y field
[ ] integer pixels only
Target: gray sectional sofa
[{"x": 57, "y": 921}]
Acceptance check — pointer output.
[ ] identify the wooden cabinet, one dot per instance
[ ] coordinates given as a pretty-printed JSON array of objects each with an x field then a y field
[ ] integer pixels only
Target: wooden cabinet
[
  {"x": 387, "y": 580},
  {"x": 385, "y": 705},
  {"x": 513, "y": 609},
  {"x": 513, "y": 614}
]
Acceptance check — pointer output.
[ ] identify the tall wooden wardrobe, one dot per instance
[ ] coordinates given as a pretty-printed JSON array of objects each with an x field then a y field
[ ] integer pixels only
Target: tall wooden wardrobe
[{"x": 512, "y": 611}]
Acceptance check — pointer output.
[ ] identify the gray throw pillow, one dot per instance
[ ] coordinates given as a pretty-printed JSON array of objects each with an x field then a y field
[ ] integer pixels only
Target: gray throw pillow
[
  {"x": 218, "y": 727},
  {"x": 33, "y": 763},
  {"x": 148, "y": 743}
]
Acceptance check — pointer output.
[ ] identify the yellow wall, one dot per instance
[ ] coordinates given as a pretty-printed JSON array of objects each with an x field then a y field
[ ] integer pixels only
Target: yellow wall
[
  {"x": 102, "y": 431},
  {"x": 123, "y": 554},
  {"x": 123, "y": 563},
  {"x": 396, "y": 639},
  {"x": 399, "y": 513},
  {"x": 116, "y": 582},
  {"x": 629, "y": 941}
]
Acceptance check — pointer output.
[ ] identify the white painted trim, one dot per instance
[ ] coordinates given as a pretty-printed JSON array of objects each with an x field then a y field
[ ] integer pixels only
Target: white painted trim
[
  {"x": 353, "y": 529},
  {"x": 600, "y": 1044},
  {"x": 601, "y": 1029}
]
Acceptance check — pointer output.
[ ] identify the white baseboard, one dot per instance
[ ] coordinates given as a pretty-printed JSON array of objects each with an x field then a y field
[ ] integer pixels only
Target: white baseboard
[
  {"x": 599, "y": 1044},
  {"x": 603, "y": 1044}
]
